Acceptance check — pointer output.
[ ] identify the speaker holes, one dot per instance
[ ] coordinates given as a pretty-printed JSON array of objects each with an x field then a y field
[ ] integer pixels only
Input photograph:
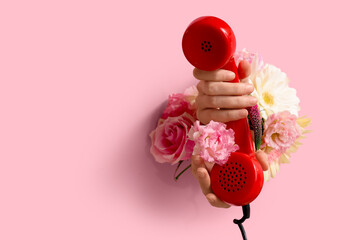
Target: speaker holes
[
  {"x": 206, "y": 46},
  {"x": 232, "y": 176}
]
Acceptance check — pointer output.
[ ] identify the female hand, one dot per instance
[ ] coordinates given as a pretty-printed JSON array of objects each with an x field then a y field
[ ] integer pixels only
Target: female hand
[
  {"x": 221, "y": 101},
  {"x": 201, "y": 169}
]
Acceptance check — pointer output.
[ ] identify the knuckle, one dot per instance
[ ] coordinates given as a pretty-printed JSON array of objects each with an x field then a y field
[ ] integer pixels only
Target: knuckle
[
  {"x": 212, "y": 101},
  {"x": 239, "y": 102},
  {"x": 199, "y": 101},
  {"x": 211, "y": 88},
  {"x": 199, "y": 86}
]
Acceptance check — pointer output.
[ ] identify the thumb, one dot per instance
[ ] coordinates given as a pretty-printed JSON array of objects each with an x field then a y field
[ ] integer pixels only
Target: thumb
[
  {"x": 262, "y": 158},
  {"x": 244, "y": 69}
]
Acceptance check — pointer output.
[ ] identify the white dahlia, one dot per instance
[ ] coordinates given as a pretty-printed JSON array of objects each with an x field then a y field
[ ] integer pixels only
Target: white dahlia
[{"x": 273, "y": 91}]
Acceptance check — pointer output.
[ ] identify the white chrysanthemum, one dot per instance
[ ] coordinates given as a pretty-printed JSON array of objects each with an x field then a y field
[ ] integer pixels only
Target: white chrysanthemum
[{"x": 273, "y": 91}]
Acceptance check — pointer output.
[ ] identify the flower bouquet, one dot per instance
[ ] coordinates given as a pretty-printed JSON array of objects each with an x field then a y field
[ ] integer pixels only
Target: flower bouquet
[{"x": 179, "y": 134}]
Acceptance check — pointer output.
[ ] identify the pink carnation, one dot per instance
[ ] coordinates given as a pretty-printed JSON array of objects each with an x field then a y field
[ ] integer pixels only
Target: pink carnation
[
  {"x": 213, "y": 142},
  {"x": 281, "y": 131},
  {"x": 169, "y": 140},
  {"x": 177, "y": 105}
]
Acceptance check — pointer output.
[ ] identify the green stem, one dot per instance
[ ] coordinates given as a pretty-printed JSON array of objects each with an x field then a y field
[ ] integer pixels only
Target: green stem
[{"x": 177, "y": 177}]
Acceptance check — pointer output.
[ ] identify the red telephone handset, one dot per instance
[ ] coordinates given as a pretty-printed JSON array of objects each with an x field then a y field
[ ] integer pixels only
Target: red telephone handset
[{"x": 209, "y": 44}]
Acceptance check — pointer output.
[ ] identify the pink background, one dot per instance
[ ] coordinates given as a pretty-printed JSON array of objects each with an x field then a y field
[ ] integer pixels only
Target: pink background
[{"x": 83, "y": 83}]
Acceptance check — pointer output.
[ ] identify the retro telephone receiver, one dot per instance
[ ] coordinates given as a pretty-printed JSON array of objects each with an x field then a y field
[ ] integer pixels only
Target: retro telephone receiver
[{"x": 209, "y": 44}]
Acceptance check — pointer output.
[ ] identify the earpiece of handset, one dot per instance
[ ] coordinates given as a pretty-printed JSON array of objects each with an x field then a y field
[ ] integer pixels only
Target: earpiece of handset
[{"x": 209, "y": 44}]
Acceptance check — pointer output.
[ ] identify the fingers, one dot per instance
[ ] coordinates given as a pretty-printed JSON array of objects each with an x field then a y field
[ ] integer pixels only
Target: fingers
[
  {"x": 217, "y": 75},
  {"x": 262, "y": 158},
  {"x": 244, "y": 70},
  {"x": 220, "y": 75},
  {"x": 206, "y": 115},
  {"x": 215, "y": 201},
  {"x": 224, "y": 88},
  {"x": 225, "y": 102},
  {"x": 200, "y": 172},
  {"x": 196, "y": 162},
  {"x": 220, "y": 100}
]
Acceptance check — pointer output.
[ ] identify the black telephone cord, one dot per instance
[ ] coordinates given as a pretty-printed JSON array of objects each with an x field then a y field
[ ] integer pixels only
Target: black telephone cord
[{"x": 246, "y": 215}]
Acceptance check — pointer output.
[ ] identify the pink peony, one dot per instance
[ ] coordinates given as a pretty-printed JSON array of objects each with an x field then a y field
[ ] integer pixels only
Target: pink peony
[
  {"x": 169, "y": 140},
  {"x": 281, "y": 131},
  {"x": 177, "y": 105},
  {"x": 213, "y": 141}
]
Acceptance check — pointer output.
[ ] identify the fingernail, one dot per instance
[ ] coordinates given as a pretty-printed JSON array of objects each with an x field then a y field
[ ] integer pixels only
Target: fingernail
[
  {"x": 249, "y": 87},
  {"x": 210, "y": 199},
  {"x": 253, "y": 100},
  {"x": 230, "y": 75}
]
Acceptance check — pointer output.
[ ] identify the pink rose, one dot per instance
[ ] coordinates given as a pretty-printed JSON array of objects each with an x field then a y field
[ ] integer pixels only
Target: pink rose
[
  {"x": 213, "y": 142},
  {"x": 281, "y": 131},
  {"x": 169, "y": 140},
  {"x": 177, "y": 105}
]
